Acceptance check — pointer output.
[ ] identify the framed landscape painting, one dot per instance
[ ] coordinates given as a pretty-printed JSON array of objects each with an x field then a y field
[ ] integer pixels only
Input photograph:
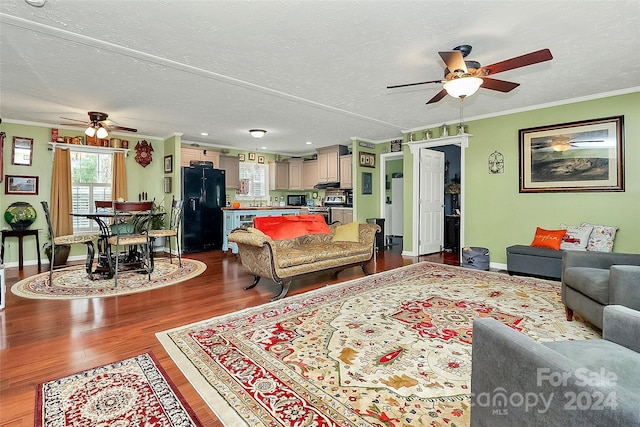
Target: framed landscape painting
[{"x": 578, "y": 156}]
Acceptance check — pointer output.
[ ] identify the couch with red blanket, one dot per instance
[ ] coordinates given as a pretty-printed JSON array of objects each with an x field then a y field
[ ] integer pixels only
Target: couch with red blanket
[{"x": 281, "y": 248}]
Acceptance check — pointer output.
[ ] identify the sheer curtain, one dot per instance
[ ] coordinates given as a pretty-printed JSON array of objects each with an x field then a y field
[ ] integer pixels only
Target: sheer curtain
[
  {"x": 119, "y": 178},
  {"x": 61, "y": 202}
]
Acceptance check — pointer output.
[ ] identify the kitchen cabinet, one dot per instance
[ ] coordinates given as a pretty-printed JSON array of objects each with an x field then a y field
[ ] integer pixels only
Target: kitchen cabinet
[
  {"x": 344, "y": 215},
  {"x": 329, "y": 162},
  {"x": 278, "y": 175},
  {"x": 309, "y": 174},
  {"x": 234, "y": 218},
  {"x": 187, "y": 154},
  {"x": 296, "y": 175},
  {"x": 346, "y": 171},
  {"x": 231, "y": 165}
]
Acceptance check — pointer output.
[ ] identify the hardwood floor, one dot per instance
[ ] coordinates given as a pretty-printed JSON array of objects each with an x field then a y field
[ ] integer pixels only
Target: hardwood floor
[{"x": 41, "y": 340}]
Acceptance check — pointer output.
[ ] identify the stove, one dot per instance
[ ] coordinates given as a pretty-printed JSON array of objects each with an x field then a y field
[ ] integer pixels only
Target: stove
[
  {"x": 323, "y": 210},
  {"x": 335, "y": 198}
]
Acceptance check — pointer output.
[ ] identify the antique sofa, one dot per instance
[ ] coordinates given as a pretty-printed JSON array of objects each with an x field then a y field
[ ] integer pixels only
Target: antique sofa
[
  {"x": 282, "y": 248},
  {"x": 516, "y": 381},
  {"x": 593, "y": 280}
]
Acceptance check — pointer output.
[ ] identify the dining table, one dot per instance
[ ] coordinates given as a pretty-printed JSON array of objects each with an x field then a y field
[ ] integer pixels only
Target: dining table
[{"x": 105, "y": 266}]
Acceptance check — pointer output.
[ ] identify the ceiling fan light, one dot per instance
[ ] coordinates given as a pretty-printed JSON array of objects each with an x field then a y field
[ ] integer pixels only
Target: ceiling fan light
[
  {"x": 102, "y": 133},
  {"x": 257, "y": 133},
  {"x": 90, "y": 132},
  {"x": 463, "y": 86}
]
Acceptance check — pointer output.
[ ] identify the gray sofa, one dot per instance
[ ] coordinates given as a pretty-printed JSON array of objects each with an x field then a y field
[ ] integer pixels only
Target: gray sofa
[
  {"x": 534, "y": 261},
  {"x": 592, "y": 280},
  {"x": 516, "y": 381}
]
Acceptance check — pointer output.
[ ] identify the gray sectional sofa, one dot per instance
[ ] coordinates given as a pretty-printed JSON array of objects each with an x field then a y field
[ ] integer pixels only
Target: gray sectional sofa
[{"x": 516, "y": 381}]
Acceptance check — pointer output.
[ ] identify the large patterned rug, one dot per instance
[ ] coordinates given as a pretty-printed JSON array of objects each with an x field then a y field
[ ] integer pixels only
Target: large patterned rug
[
  {"x": 391, "y": 349},
  {"x": 72, "y": 282},
  {"x": 132, "y": 392}
]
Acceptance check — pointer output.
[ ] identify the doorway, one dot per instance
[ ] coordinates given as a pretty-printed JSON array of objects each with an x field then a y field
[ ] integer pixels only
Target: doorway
[{"x": 392, "y": 200}]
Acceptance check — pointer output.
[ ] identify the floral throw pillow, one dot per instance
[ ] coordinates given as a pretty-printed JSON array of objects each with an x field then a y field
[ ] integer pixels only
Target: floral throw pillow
[
  {"x": 601, "y": 238},
  {"x": 576, "y": 238}
]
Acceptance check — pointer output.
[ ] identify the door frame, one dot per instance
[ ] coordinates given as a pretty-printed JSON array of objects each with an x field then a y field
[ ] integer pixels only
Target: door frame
[
  {"x": 463, "y": 142},
  {"x": 384, "y": 157}
]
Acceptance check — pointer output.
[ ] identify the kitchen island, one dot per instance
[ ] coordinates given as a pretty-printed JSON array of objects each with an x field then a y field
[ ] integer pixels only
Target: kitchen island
[{"x": 237, "y": 217}]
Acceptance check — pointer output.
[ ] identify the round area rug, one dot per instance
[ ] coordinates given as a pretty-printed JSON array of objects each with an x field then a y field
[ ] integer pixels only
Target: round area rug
[{"x": 73, "y": 283}]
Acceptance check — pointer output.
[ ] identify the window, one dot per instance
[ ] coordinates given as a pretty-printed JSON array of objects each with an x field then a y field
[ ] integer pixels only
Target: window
[
  {"x": 254, "y": 182},
  {"x": 90, "y": 181}
]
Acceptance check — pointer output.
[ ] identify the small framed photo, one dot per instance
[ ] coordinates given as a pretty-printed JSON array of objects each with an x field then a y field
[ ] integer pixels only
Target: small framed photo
[
  {"x": 21, "y": 185},
  {"x": 167, "y": 184},
  {"x": 252, "y": 157},
  {"x": 367, "y": 160},
  {"x": 168, "y": 164},
  {"x": 22, "y": 151},
  {"x": 260, "y": 159},
  {"x": 241, "y": 157}
]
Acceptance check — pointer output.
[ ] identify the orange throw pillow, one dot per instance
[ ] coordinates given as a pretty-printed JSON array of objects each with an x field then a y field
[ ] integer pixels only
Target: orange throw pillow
[
  {"x": 548, "y": 238},
  {"x": 291, "y": 226}
]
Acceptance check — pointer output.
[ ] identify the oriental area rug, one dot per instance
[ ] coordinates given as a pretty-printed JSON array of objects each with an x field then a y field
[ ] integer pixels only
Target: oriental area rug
[
  {"x": 73, "y": 283},
  {"x": 391, "y": 349},
  {"x": 132, "y": 392}
]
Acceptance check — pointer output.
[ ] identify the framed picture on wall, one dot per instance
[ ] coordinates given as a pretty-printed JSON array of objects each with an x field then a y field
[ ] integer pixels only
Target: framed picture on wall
[
  {"x": 367, "y": 183},
  {"x": 167, "y": 184},
  {"x": 577, "y": 156},
  {"x": 367, "y": 160},
  {"x": 21, "y": 185},
  {"x": 168, "y": 164},
  {"x": 241, "y": 157},
  {"x": 260, "y": 159},
  {"x": 252, "y": 157}
]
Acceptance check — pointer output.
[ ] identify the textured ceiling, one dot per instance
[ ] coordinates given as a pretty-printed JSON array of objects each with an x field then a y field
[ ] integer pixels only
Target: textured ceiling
[{"x": 302, "y": 70}]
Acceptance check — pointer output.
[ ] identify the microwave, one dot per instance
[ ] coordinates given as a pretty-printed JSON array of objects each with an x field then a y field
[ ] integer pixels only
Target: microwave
[{"x": 296, "y": 200}]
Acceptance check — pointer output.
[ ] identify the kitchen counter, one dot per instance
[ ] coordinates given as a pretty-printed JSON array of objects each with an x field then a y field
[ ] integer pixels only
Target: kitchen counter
[{"x": 261, "y": 208}]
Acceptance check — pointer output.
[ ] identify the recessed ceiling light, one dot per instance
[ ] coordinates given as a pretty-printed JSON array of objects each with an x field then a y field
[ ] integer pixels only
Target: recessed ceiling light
[
  {"x": 204, "y": 133},
  {"x": 308, "y": 142}
]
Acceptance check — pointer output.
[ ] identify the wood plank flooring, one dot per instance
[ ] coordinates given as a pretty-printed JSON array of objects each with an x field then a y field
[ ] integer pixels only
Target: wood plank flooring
[{"x": 41, "y": 340}]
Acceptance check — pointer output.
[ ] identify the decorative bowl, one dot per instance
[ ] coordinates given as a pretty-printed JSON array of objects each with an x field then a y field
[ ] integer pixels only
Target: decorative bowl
[{"x": 20, "y": 215}]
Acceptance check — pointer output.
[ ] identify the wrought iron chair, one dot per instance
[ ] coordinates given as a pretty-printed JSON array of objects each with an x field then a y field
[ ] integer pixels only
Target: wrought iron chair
[
  {"x": 103, "y": 205},
  {"x": 87, "y": 239},
  {"x": 172, "y": 229},
  {"x": 133, "y": 248}
]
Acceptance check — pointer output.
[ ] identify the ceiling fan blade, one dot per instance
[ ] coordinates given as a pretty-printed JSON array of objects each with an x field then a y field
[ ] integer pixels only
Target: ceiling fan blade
[
  {"x": 74, "y": 120},
  {"x": 414, "y": 84},
  {"x": 454, "y": 60},
  {"x": 438, "y": 97},
  {"x": 83, "y": 125},
  {"x": 499, "y": 85},
  {"x": 126, "y": 129},
  {"x": 517, "y": 62}
]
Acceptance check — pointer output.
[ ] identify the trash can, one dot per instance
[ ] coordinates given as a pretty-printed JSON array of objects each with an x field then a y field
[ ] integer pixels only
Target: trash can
[
  {"x": 379, "y": 241},
  {"x": 475, "y": 257}
]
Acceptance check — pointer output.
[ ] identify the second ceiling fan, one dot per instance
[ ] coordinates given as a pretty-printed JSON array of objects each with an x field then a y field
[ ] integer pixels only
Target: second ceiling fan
[{"x": 462, "y": 78}]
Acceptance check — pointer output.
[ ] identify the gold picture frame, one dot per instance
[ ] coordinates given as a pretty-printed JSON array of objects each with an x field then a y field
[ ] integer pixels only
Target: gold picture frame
[{"x": 367, "y": 160}]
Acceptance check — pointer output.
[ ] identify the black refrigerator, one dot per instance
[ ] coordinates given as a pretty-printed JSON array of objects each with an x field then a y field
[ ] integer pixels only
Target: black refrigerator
[{"x": 203, "y": 195}]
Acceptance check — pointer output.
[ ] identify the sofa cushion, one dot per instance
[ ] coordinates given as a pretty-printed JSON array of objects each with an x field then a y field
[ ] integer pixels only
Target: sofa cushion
[
  {"x": 548, "y": 238},
  {"x": 314, "y": 252},
  {"x": 601, "y": 238},
  {"x": 609, "y": 362},
  {"x": 592, "y": 282},
  {"x": 576, "y": 238},
  {"x": 534, "y": 251},
  {"x": 291, "y": 226},
  {"x": 347, "y": 233}
]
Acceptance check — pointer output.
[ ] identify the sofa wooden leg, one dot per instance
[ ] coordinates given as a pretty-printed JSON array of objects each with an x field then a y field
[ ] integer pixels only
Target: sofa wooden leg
[
  {"x": 256, "y": 279},
  {"x": 283, "y": 292},
  {"x": 569, "y": 313},
  {"x": 364, "y": 270}
]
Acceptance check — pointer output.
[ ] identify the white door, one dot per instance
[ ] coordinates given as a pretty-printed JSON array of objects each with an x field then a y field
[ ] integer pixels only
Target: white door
[{"x": 431, "y": 202}]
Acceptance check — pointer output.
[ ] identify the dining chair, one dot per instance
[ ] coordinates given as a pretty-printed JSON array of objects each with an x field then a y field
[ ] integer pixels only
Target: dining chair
[
  {"x": 103, "y": 205},
  {"x": 70, "y": 239},
  {"x": 133, "y": 248},
  {"x": 172, "y": 229}
]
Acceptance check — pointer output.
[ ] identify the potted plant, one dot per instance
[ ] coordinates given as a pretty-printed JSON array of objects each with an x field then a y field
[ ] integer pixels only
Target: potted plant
[{"x": 61, "y": 255}]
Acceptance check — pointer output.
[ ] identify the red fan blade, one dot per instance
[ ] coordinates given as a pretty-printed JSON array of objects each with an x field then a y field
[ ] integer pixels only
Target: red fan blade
[
  {"x": 414, "y": 84},
  {"x": 454, "y": 60},
  {"x": 438, "y": 97},
  {"x": 499, "y": 85},
  {"x": 124, "y": 128},
  {"x": 517, "y": 62}
]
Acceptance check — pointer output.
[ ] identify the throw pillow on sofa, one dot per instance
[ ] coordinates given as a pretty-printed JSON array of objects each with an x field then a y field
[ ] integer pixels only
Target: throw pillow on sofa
[
  {"x": 576, "y": 238},
  {"x": 548, "y": 238},
  {"x": 601, "y": 238},
  {"x": 347, "y": 233}
]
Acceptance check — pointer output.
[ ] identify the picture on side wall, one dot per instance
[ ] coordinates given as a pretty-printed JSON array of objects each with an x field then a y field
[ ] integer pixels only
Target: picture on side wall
[
  {"x": 21, "y": 185},
  {"x": 577, "y": 156},
  {"x": 168, "y": 164}
]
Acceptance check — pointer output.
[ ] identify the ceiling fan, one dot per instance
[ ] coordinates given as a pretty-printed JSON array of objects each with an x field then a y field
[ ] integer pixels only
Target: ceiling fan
[
  {"x": 98, "y": 125},
  {"x": 462, "y": 78}
]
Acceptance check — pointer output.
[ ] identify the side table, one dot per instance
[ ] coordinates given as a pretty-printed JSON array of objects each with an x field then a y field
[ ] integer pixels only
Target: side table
[{"x": 20, "y": 235}]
